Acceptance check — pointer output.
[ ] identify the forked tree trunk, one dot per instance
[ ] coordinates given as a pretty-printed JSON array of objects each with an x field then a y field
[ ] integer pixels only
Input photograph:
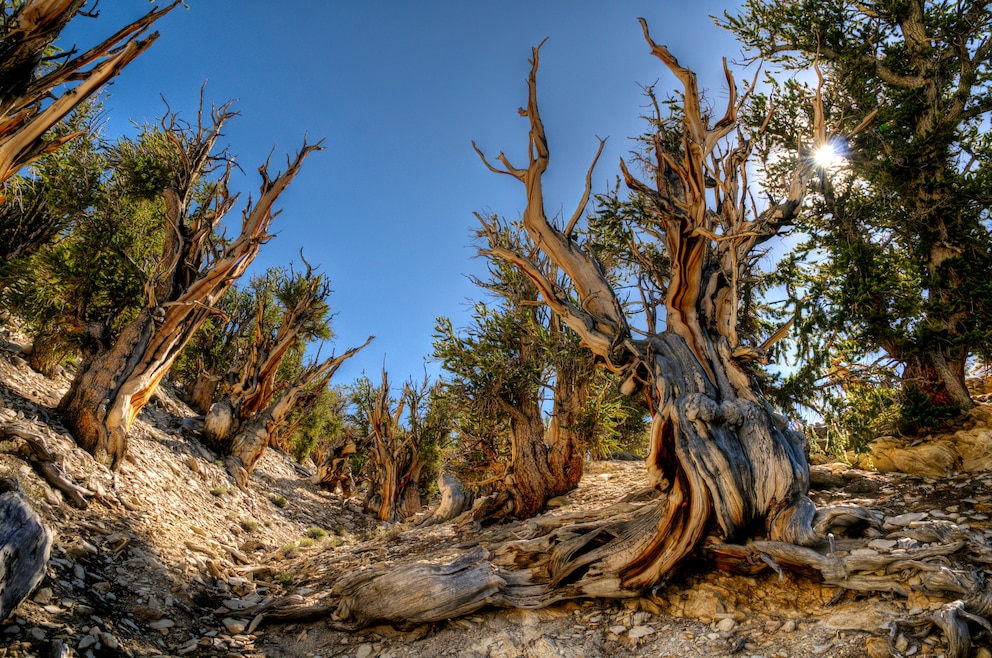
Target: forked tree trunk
[
  {"x": 395, "y": 451},
  {"x": 192, "y": 275},
  {"x": 399, "y": 440},
  {"x": 245, "y": 440}
]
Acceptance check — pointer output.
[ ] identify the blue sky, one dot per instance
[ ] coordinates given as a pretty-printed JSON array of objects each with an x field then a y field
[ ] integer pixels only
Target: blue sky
[{"x": 398, "y": 91}]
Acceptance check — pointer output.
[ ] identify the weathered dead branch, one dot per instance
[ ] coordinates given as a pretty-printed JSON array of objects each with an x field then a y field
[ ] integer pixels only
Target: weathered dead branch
[
  {"x": 45, "y": 462},
  {"x": 25, "y": 545},
  {"x": 25, "y": 111}
]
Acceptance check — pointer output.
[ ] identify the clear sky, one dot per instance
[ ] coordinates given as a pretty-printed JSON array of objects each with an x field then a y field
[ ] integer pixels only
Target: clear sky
[{"x": 398, "y": 90}]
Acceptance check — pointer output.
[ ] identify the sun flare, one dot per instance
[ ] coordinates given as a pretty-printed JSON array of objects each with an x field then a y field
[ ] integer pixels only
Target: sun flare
[{"x": 827, "y": 156}]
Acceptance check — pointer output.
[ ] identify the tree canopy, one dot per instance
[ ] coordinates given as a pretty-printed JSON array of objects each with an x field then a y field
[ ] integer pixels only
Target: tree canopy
[{"x": 898, "y": 255}]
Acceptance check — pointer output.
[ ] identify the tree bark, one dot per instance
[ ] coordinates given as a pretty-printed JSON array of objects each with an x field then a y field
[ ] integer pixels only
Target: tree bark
[
  {"x": 24, "y": 115},
  {"x": 201, "y": 398},
  {"x": 192, "y": 275}
]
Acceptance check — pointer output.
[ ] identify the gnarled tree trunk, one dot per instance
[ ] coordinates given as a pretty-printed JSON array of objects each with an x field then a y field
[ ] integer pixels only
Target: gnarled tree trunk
[
  {"x": 725, "y": 466},
  {"x": 194, "y": 271},
  {"x": 25, "y": 116},
  {"x": 246, "y": 439}
]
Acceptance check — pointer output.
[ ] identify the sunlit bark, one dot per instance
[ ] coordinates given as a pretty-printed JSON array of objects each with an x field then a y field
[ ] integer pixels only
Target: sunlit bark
[
  {"x": 192, "y": 274},
  {"x": 31, "y": 104}
]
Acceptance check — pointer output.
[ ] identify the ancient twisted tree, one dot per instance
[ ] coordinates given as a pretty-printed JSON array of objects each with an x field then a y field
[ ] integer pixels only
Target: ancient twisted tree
[
  {"x": 197, "y": 265},
  {"x": 730, "y": 476},
  {"x": 256, "y": 406},
  {"x": 246, "y": 437},
  {"x": 255, "y": 409},
  {"x": 499, "y": 369},
  {"x": 406, "y": 436},
  {"x": 33, "y": 84}
]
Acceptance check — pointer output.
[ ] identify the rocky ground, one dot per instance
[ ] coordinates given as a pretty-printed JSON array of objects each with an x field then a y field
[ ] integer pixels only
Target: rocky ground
[{"x": 169, "y": 555}]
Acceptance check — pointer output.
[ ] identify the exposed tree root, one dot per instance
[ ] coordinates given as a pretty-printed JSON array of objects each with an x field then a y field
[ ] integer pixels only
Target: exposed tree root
[
  {"x": 553, "y": 559},
  {"x": 45, "y": 462}
]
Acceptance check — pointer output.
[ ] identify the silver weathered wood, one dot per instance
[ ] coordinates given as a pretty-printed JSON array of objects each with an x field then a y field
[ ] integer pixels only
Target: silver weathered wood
[{"x": 25, "y": 546}]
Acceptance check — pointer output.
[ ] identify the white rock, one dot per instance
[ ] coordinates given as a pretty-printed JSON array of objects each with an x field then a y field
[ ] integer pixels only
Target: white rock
[
  {"x": 237, "y": 604},
  {"x": 726, "y": 625},
  {"x": 638, "y": 632},
  {"x": 43, "y": 596},
  {"x": 365, "y": 651},
  {"x": 234, "y": 626},
  {"x": 906, "y": 519}
]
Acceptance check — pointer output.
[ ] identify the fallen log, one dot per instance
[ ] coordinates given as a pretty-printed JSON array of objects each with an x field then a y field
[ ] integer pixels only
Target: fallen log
[{"x": 25, "y": 546}]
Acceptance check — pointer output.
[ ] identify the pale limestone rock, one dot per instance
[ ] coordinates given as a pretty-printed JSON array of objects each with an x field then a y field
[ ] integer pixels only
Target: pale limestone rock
[
  {"x": 234, "y": 626},
  {"x": 975, "y": 448},
  {"x": 702, "y": 605},
  {"x": 932, "y": 459},
  {"x": 726, "y": 625}
]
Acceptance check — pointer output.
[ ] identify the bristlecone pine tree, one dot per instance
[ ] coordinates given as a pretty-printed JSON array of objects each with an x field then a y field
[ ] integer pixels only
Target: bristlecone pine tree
[
  {"x": 499, "y": 369},
  {"x": 195, "y": 269},
  {"x": 725, "y": 466},
  {"x": 901, "y": 237},
  {"x": 29, "y": 81},
  {"x": 256, "y": 406}
]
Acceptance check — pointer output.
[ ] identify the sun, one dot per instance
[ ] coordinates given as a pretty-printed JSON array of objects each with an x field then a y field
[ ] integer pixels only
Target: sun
[{"x": 827, "y": 156}]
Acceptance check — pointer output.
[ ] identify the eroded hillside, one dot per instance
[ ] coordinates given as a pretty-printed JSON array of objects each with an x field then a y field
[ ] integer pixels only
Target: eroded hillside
[{"x": 171, "y": 558}]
